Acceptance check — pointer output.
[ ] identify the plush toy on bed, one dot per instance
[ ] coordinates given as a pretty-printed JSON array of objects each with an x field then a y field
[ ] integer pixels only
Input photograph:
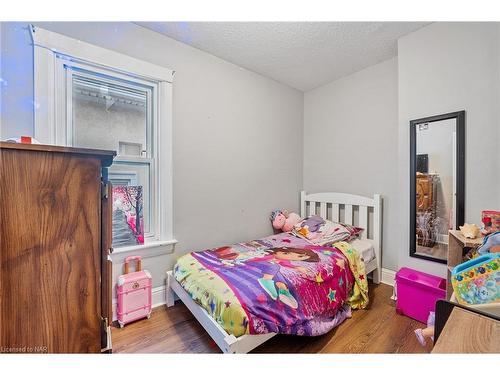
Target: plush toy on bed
[{"x": 282, "y": 220}]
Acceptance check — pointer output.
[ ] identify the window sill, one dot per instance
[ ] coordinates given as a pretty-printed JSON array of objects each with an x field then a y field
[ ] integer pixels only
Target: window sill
[{"x": 148, "y": 250}]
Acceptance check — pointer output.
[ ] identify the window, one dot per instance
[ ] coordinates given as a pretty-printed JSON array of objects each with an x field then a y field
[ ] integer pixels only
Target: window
[
  {"x": 108, "y": 111},
  {"x": 95, "y": 98}
]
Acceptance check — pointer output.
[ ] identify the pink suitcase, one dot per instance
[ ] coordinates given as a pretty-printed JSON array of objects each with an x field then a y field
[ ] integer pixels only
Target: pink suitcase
[{"x": 133, "y": 291}]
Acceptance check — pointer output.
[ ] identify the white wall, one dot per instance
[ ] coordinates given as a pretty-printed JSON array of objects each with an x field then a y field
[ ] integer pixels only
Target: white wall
[
  {"x": 237, "y": 140},
  {"x": 16, "y": 84},
  {"x": 1, "y": 79},
  {"x": 350, "y": 142},
  {"x": 448, "y": 67}
]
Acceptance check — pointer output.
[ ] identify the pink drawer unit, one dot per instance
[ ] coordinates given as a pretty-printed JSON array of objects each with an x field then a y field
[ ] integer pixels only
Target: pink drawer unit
[{"x": 133, "y": 292}]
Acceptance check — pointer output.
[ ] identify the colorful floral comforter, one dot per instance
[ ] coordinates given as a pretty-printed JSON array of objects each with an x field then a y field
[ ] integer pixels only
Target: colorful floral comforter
[{"x": 276, "y": 284}]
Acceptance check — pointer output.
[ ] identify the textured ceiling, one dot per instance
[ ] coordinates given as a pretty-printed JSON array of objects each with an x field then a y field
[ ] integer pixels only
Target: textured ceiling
[{"x": 303, "y": 55}]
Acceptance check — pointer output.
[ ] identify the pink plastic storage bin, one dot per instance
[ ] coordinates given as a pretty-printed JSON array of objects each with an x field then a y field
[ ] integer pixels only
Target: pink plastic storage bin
[{"x": 417, "y": 293}]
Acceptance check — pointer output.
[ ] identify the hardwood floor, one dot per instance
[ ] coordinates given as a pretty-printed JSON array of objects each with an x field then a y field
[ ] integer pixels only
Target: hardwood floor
[{"x": 377, "y": 329}]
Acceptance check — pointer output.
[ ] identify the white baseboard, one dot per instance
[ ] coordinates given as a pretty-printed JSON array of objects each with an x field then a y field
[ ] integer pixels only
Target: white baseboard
[
  {"x": 388, "y": 277},
  {"x": 158, "y": 298}
]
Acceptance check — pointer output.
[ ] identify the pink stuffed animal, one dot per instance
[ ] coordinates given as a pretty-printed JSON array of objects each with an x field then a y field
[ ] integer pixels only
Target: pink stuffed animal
[{"x": 284, "y": 220}]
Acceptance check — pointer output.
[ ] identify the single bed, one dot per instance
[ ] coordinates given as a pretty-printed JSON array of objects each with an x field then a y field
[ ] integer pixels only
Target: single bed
[{"x": 233, "y": 332}]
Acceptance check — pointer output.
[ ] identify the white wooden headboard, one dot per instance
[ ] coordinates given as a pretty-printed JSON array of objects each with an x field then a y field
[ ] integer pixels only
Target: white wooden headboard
[{"x": 331, "y": 205}]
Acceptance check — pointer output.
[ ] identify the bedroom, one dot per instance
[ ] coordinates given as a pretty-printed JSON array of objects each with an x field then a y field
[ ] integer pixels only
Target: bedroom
[{"x": 221, "y": 124}]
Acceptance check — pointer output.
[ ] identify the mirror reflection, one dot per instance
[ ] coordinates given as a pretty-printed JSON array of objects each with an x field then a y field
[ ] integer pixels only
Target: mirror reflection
[
  {"x": 434, "y": 187},
  {"x": 434, "y": 193}
]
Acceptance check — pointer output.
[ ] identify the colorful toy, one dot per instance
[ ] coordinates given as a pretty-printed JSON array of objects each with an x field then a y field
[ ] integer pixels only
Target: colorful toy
[
  {"x": 491, "y": 244},
  {"x": 310, "y": 228},
  {"x": 469, "y": 230},
  {"x": 477, "y": 281},
  {"x": 133, "y": 291},
  {"x": 282, "y": 220},
  {"x": 491, "y": 222}
]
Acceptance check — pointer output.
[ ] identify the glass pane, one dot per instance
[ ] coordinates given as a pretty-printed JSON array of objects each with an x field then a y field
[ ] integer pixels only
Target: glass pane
[
  {"x": 113, "y": 113},
  {"x": 126, "y": 173},
  {"x": 435, "y": 187},
  {"x": 110, "y": 115}
]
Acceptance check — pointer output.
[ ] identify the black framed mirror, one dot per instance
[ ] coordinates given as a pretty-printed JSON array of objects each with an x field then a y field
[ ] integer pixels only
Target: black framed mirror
[{"x": 437, "y": 183}]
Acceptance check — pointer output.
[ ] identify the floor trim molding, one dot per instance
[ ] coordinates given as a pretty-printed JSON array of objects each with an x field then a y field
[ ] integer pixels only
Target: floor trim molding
[{"x": 388, "y": 277}]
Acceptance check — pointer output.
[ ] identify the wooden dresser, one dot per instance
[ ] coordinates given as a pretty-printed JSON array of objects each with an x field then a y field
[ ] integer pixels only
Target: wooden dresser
[
  {"x": 425, "y": 192},
  {"x": 426, "y": 205},
  {"x": 55, "y": 240}
]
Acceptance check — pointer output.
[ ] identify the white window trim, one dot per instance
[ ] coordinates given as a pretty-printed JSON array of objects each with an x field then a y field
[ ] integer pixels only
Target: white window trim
[
  {"x": 50, "y": 114},
  {"x": 131, "y": 176}
]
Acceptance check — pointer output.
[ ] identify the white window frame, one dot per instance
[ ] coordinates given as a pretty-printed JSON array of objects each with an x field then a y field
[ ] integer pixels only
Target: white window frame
[
  {"x": 130, "y": 177},
  {"x": 66, "y": 69},
  {"x": 53, "y": 53}
]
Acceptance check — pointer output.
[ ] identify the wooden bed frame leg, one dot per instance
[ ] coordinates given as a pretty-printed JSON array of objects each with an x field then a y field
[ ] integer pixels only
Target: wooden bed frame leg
[{"x": 170, "y": 296}]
